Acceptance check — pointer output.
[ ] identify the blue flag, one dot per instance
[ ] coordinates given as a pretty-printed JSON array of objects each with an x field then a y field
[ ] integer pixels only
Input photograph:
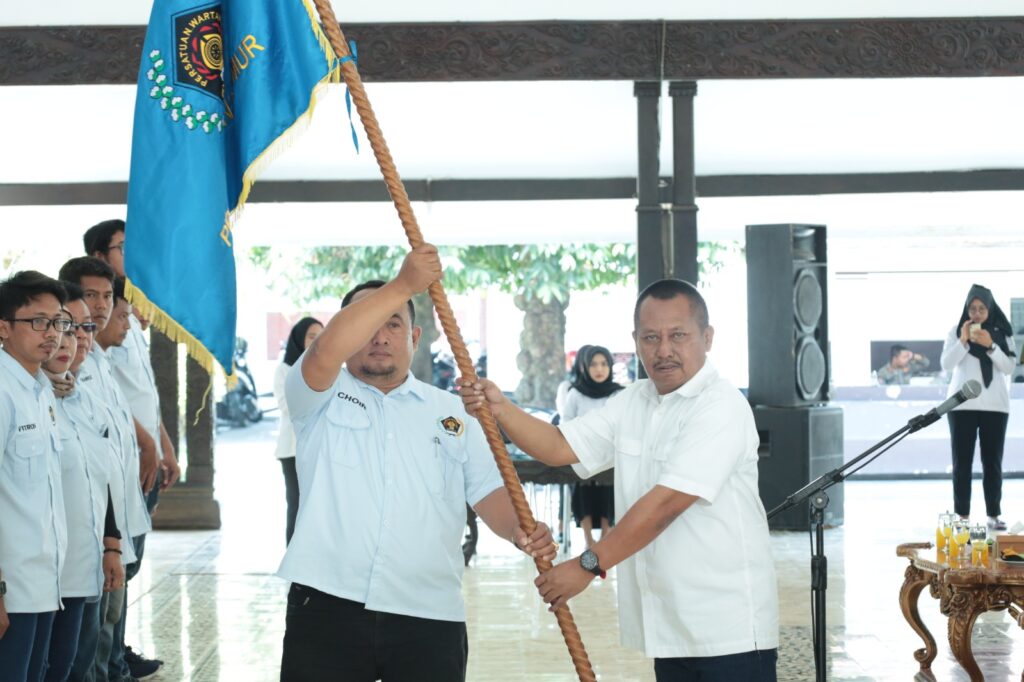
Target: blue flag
[{"x": 222, "y": 87}]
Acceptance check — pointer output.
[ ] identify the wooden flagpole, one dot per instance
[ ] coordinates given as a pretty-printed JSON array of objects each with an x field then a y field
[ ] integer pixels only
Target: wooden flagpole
[{"x": 444, "y": 312}]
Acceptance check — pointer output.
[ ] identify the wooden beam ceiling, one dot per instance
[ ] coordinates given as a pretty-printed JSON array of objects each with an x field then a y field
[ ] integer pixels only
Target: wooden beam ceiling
[{"x": 586, "y": 50}]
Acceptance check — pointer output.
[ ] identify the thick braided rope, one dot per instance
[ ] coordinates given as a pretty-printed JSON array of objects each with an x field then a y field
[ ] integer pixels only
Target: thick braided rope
[{"x": 444, "y": 313}]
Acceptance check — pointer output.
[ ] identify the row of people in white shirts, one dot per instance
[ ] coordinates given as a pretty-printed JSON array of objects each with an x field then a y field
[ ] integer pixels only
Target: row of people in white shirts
[{"x": 71, "y": 449}]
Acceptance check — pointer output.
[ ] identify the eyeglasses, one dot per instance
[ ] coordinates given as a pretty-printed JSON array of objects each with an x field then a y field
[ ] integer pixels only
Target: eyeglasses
[
  {"x": 87, "y": 327},
  {"x": 41, "y": 324},
  {"x": 115, "y": 247}
]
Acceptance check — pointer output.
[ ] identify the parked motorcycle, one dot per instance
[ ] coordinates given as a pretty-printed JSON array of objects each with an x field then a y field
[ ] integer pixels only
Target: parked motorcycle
[
  {"x": 445, "y": 371},
  {"x": 240, "y": 406}
]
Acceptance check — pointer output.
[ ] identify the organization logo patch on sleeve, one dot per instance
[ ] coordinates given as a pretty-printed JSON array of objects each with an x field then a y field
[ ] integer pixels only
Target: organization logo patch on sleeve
[{"x": 452, "y": 426}]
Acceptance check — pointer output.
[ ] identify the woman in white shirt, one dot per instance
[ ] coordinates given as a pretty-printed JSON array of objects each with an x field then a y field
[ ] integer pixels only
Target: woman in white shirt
[
  {"x": 980, "y": 347},
  {"x": 301, "y": 335},
  {"x": 590, "y": 387},
  {"x": 93, "y": 561}
]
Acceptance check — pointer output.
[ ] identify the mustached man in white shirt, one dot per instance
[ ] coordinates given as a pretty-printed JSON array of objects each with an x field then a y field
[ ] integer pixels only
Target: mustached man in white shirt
[
  {"x": 33, "y": 526},
  {"x": 696, "y": 581},
  {"x": 386, "y": 466}
]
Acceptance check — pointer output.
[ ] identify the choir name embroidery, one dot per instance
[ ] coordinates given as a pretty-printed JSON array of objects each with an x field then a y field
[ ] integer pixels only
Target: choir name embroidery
[{"x": 352, "y": 399}]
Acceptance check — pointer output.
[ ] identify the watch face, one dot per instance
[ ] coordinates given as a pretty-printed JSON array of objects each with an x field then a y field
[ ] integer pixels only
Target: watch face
[{"x": 588, "y": 560}]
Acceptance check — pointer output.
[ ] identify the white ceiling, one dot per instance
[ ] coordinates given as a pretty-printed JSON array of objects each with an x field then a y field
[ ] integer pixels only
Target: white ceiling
[
  {"x": 568, "y": 129},
  {"x": 127, "y": 12}
]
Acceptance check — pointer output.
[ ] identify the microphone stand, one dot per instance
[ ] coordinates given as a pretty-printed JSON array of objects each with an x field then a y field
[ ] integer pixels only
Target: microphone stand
[{"x": 814, "y": 492}]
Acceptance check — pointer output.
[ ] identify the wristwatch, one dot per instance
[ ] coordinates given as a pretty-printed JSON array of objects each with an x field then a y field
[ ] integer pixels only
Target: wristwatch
[
  {"x": 3, "y": 588},
  {"x": 590, "y": 563}
]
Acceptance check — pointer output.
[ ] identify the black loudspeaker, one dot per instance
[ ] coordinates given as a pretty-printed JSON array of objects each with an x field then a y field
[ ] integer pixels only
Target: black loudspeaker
[
  {"x": 798, "y": 444},
  {"x": 787, "y": 320}
]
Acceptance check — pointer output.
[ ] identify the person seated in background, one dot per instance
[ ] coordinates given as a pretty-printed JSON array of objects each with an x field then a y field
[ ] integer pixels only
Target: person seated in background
[{"x": 903, "y": 364}]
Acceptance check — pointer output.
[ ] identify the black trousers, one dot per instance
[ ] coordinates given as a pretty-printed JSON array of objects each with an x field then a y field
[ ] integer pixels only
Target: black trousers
[
  {"x": 291, "y": 494},
  {"x": 965, "y": 428},
  {"x": 328, "y": 639},
  {"x": 751, "y": 666}
]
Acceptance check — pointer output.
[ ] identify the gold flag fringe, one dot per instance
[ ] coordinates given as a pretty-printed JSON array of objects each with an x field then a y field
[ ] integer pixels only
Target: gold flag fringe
[
  {"x": 299, "y": 126},
  {"x": 175, "y": 332}
]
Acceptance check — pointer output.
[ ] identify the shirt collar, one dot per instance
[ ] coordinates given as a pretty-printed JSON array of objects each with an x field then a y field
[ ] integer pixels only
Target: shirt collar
[
  {"x": 411, "y": 386},
  {"x": 98, "y": 350},
  {"x": 21, "y": 374}
]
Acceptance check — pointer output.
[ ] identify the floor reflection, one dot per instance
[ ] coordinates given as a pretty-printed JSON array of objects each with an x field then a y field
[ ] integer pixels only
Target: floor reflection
[{"x": 208, "y": 604}]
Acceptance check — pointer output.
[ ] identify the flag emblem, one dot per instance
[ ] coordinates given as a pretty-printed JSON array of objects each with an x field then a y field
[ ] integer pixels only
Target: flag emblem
[{"x": 200, "y": 52}]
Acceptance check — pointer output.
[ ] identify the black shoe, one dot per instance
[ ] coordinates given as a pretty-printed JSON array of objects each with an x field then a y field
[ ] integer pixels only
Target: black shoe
[{"x": 140, "y": 666}]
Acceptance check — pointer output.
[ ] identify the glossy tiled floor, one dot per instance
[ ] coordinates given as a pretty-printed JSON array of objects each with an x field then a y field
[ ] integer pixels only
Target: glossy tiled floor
[{"x": 208, "y": 604}]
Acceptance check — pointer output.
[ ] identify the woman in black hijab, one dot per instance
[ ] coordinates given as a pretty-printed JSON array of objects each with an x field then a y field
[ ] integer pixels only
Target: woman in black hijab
[
  {"x": 301, "y": 335},
  {"x": 981, "y": 348},
  {"x": 589, "y": 387}
]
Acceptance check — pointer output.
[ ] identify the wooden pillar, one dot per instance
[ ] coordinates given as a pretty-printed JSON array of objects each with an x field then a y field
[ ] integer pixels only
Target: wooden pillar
[
  {"x": 683, "y": 230},
  {"x": 650, "y": 251},
  {"x": 190, "y": 504},
  {"x": 163, "y": 356}
]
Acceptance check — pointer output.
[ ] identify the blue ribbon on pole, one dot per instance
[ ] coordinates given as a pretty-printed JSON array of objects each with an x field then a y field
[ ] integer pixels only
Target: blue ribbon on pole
[{"x": 354, "y": 58}]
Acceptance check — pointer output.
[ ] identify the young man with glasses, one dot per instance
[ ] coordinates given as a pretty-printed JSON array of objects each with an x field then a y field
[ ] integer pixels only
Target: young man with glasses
[{"x": 33, "y": 531}]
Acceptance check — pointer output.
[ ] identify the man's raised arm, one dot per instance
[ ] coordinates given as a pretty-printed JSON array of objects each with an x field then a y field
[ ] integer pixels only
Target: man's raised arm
[{"x": 355, "y": 324}]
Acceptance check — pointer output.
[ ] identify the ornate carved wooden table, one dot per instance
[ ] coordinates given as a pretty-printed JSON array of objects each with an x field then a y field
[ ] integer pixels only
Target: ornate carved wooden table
[{"x": 964, "y": 592}]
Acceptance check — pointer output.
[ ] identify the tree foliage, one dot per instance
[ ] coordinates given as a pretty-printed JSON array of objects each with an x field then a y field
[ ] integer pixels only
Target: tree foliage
[
  {"x": 547, "y": 271},
  {"x": 541, "y": 278}
]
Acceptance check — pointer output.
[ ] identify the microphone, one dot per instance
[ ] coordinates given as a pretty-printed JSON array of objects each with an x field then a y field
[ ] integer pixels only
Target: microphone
[{"x": 970, "y": 390}]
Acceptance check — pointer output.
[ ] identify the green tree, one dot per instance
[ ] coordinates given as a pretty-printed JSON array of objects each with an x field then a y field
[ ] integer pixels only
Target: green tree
[{"x": 540, "y": 277}]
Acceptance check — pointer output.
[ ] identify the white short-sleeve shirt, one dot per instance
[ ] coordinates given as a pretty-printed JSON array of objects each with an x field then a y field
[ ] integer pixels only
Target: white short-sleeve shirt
[
  {"x": 706, "y": 586},
  {"x": 95, "y": 375},
  {"x": 33, "y": 530},
  {"x": 86, "y": 467},
  {"x": 131, "y": 368},
  {"x": 384, "y": 480},
  {"x": 286, "y": 433}
]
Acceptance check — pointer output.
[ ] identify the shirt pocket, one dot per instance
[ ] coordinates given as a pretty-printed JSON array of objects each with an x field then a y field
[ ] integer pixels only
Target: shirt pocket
[
  {"x": 348, "y": 434},
  {"x": 29, "y": 460},
  {"x": 448, "y": 479},
  {"x": 68, "y": 451},
  {"x": 628, "y": 463}
]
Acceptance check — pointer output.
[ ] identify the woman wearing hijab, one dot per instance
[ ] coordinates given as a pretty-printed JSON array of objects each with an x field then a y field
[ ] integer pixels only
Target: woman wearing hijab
[
  {"x": 301, "y": 335},
  {"x": 590, "y": 387},
  {"x": 980, "y": 347}
]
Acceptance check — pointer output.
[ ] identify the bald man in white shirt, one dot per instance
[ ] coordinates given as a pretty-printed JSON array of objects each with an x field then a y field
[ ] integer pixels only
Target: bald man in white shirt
[{"x": 696, "y": 581}]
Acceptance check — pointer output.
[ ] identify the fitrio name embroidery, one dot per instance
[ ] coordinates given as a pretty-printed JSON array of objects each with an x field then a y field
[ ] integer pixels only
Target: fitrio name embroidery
[{"x": 352, "y": 399}]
